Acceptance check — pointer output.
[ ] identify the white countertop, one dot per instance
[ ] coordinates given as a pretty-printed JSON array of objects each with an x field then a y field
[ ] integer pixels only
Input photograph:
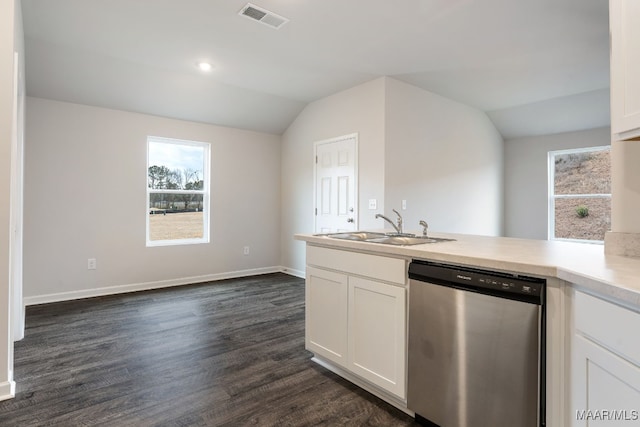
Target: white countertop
[{"x": 585, "y": 265}]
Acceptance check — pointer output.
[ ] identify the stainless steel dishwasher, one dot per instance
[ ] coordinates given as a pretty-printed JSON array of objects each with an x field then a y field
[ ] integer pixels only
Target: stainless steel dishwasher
[{"x": 476, "y": 347}]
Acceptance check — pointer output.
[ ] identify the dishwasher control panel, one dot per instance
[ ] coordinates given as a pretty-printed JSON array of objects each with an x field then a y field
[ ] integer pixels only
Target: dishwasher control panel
[
  {"x": 498, "y": 282},
  {"x": 509, "y": 285}
]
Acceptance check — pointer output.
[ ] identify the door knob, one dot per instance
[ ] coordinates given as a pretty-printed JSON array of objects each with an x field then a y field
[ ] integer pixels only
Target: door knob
[{"x": 350, "y": 220}]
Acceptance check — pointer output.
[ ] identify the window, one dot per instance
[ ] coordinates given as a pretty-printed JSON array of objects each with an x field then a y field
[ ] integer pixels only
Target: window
[
  {"x": 177, "y": 192},
  {"x": 579, "y": 194}
]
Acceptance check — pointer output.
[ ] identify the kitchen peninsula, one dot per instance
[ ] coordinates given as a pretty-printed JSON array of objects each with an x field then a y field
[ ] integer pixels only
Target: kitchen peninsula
[{"x": 592, "y": 306}]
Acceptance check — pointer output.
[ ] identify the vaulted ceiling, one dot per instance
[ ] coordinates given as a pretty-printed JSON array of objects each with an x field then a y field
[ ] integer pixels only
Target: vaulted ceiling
[{"x": 535, "y": 66}]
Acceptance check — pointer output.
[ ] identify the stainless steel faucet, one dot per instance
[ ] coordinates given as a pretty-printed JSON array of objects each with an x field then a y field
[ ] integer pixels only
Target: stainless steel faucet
[
  {"x": 398, "y": 227},
  {"x": 424, "y": 225}
]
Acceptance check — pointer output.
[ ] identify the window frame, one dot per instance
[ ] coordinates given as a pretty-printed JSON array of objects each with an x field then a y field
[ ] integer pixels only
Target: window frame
[
  {"x": 552, "y": 197},
  {"x": 205, "y": 192}
]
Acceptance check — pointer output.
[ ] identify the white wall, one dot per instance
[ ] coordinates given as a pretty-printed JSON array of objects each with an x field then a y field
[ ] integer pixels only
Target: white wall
[
  {"x": 625, "y": 188},
  {"x": 415, "y": 145},
  {"x": 85, "y": 197},
  {"x": 359, "y": 109},
  {"x": 526, "y": 178},
  {"x": 445, "y": 159}
]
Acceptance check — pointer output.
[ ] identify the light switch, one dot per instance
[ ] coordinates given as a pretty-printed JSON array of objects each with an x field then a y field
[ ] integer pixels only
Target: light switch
[{"x": 404, "y": 205}]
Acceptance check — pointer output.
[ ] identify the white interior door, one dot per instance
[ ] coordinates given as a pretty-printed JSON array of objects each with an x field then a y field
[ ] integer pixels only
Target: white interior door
[{"x": 335, "y": 185}]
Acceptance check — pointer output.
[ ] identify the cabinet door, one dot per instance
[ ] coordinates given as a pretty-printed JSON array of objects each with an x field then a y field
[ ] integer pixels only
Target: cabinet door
[
  {"x": 377, "y": 333},
  {"x": 625, "y": 68},
  {"x": 326, "y": 314},
  {"x": 605, "y": 387}
]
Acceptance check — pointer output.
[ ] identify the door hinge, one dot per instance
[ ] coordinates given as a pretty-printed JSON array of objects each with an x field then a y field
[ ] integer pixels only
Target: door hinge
[
  {"x": 316, "y": 209},
  {"x": 316, "y": 160}
]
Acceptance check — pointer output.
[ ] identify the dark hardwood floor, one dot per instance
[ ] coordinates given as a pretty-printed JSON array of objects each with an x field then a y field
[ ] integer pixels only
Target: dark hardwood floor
[{"x": 227, "y": 353}]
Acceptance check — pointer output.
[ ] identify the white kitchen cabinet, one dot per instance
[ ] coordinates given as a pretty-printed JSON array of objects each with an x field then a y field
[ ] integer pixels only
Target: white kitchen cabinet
[
  {"x": 377, "y": 333},
  {"x": 326, "y": 314},
  {"x": 605, "y": 372},
  {"x": 356, "y": 316},
  {"x": 624, "y": 16}
]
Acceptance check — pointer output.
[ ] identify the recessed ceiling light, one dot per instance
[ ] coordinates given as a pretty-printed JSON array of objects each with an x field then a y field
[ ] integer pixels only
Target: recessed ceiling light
[{"x": 205, "y": 66}]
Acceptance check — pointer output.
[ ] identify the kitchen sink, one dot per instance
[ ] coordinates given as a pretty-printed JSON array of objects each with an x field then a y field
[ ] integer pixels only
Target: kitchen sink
[
  {"x": 357, "y": 235},
  {"x": 387, "y": 239},
  {"x": 407, "y": 241}
]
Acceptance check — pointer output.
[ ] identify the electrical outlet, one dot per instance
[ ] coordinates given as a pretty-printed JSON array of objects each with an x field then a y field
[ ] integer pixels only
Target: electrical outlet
[
  {"x": 373, "y": 204},
  {"x": 246, "y": 250},
  {"x": 91, "y": 264}
]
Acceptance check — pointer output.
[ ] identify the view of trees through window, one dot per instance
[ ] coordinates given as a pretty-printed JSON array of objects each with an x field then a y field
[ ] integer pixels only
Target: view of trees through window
[
  {"x": 580, "y": 194},
  {"x": 177, "y": 194},
  {"x": 161, "y": 177}
]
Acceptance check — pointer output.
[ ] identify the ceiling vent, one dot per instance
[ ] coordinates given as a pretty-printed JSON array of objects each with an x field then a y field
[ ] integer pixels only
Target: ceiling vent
[{"x": 264, "y": 16}]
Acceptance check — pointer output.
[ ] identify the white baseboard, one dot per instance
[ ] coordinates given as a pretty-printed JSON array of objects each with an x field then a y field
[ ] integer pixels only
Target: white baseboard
[
  {"x": 7, "y": 390},
  {"x": 293, "y": 272},
  {"x": 135, "y": 287}
]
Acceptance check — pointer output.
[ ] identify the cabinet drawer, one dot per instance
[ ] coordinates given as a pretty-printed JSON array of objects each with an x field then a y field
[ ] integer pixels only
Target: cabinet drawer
[
  {"x": 379, "y": 267},
  {"x": 610, "y": 325}
]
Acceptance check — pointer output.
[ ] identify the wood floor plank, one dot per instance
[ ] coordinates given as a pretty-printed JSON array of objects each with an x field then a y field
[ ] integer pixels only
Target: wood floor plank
[{"x": 226, "y": 353}]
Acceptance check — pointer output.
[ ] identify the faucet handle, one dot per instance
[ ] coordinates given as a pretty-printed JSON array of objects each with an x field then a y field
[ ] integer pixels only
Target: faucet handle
[
  {"x": 424, "y": 227},
  {"x": 399, "y": 220},
  {"x": 399, "y": 216}
]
